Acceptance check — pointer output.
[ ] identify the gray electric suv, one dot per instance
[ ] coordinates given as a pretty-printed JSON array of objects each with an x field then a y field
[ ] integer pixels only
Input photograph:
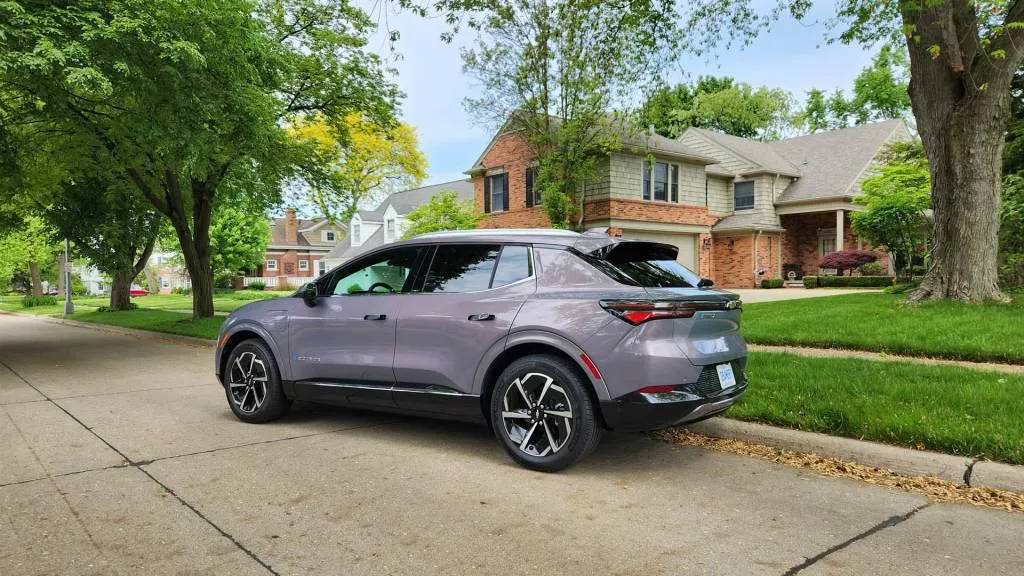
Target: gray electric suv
[{"x": 548, "y": 336}]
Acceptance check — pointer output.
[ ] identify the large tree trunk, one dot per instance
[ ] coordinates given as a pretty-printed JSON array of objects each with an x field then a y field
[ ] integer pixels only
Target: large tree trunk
[
  {"x": 120, "y": 291},
  {"x": 36, "y": 279},
  {"x": 961, "y": 102},
  {"x": 121, "y": 286}
]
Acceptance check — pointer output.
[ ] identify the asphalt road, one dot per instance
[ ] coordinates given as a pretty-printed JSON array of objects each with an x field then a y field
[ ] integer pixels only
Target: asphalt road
[{"x": 119, "y": 455}]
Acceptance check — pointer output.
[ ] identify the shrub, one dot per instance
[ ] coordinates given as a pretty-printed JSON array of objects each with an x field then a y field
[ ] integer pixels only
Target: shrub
[
  {"x": 855, "y": 281},
  {"x": 810, "y": 281},
  {"x": 355, "y": 288},
  {"x": 223, "y": 279},
  {"x": 181, "y": 291},
  {"x": 847, "y": 259},
  {"x": 772, "y": 283},
  {"x": 870, "y": 269},
  {"x": 256, "y": 285},
  {"x": 77, "y": 286},
  {"x": 33, "y": 301}
]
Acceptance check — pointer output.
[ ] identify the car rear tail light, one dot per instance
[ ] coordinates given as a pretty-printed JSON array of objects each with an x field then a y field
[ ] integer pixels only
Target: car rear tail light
[
  {"x": 640, "y": 311},
  {"x": 657, "y": 389}
]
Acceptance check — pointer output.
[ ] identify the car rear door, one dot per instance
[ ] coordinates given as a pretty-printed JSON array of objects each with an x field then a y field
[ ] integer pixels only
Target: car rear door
[
  {"x": 469, "y": 300},
  {"x": 343, "y": 348}
]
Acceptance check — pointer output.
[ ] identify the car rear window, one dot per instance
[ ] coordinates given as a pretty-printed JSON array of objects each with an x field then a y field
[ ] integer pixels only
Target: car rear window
[
  {"x": 645, "y": 264},
  {"x": 513, "y": 266}
]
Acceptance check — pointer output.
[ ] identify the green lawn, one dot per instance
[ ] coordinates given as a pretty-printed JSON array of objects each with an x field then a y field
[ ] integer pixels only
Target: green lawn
[
  {"x": 885, "y": 323},
  {"x": 157, "y": 321},
  {"x": 959, "y": 411}
]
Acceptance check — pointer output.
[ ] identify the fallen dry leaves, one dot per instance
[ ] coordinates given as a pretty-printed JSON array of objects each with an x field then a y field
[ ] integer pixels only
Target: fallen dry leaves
[{"x": 936, "y": 489}]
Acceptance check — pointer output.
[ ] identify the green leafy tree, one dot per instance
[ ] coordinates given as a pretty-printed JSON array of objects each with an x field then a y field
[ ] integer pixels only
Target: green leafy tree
[
  {"x": 880, "y": 90},
  {"x": 895, "y": 203},
  {"x": 444, "y": 212},
  {"x": 238, "y": 239},
  {"x": 1011, "y": 232},
  {"x": 719, "y": 104},
  {"x": 963, "y": 56},
  {"x": 24, "y": 250},
  {"x": 815, "y": 115},
  {"x": 189, "y": 97},
  {"x": 562, "y": 73}
]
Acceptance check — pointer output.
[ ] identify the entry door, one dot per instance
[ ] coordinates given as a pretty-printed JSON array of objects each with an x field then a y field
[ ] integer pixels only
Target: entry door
[
  {"x": 343, "y": 349},
  {"x": 470, "y": 298}
]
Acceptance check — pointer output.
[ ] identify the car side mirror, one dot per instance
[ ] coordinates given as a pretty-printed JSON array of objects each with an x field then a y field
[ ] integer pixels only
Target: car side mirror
[
  {"x": 705, "y": 283},
  {"x": 309, "y": 294}
]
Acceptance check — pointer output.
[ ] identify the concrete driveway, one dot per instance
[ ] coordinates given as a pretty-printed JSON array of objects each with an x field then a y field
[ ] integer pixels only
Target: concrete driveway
[{"x": 120, "y": 456}]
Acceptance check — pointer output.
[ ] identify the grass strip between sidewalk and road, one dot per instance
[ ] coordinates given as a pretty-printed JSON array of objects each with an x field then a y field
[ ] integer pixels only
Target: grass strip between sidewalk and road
[
  {"x": 959, "y": 411},
  {"x": 164, "y": 321},
  {"x": 876, "y": 322}
]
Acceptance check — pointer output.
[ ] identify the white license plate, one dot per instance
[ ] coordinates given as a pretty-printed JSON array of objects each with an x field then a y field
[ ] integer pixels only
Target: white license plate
[{"x": 726, "y": 377}]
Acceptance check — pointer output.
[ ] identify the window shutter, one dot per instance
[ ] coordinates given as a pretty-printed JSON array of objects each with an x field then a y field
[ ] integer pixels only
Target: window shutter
[
  {"x": 675, "y": 183},
  {"x": 504, "y": 192},
  {"x": 487, "y": 194},
  {"x": 647, "y": 180},
  {"x": 529, "y": 187}
]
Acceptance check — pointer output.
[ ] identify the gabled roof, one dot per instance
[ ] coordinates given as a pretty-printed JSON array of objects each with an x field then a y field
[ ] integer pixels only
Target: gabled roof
[
  {"x": 760, "y": 154},
  {"x": 825, "y": 165},
  {"x": 278, "y": 234},
  {"x": 633, "y": 141},
  {"x": 832, "y": 162}
]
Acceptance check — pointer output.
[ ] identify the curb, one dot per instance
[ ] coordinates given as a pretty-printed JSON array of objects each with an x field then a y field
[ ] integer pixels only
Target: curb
[
  {"x": 901, "y": 460},
  {"x": 136, "y": 333}
]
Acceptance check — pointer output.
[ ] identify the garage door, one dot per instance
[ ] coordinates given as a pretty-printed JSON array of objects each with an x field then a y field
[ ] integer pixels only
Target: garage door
[{"x": 687, "y": 244}]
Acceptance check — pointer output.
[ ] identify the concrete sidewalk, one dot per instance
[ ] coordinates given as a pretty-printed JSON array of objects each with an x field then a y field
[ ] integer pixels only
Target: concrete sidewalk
[{"x": 120, "y": 455}]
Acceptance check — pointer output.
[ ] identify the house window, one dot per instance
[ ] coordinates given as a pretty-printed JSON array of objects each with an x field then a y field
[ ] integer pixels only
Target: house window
[
  {"x": 496, "y": 193},
  {"x": 356, "y": 226},
  {"x": 329, "y": 236},
  {"x": 303, "y": 265},
  {"x": 389, "y": 230},
  {"x": 744, "y": 195},
  {"x": 532, "y": 194},
  {"x": 657, "y": 181},
  {"x": 321, "y": 267},
  {"x": 271, "y": 264}
]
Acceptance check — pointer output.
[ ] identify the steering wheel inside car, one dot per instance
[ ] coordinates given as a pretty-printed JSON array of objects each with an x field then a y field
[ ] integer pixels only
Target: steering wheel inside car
[{"x": 384, "y": 285}]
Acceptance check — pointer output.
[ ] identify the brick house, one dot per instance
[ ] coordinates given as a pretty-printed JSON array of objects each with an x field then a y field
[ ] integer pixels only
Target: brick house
[
  {"x": 739, "y": 210},
  {"x": 297, "y": 249}
]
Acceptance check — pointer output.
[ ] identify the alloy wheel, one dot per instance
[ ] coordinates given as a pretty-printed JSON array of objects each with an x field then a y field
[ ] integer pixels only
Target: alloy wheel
[
  {"x": 537, "y": 414},
  {"x": 248, "y": 382}
]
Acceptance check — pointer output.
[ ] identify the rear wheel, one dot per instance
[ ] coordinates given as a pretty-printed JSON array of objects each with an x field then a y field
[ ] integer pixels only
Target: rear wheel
[
  {"x": 253, "y": 383},
  {"x": 542, "y": 414}
]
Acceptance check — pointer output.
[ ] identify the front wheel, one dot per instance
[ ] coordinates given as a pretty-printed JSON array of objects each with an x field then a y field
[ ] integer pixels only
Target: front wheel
[
  {"x": 253, "y": 383},
  {"x": 542, "y": 414}
]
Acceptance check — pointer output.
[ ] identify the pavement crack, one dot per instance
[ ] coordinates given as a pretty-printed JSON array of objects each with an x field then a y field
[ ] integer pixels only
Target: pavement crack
[
  {"x": 887, "y": 523},
  {"x": 139, "y": 467}
]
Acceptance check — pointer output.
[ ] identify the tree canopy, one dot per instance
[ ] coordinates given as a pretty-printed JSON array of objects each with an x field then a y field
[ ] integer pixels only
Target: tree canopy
[
  {"x": 189, "y": 97},
  {"x": 373, "y": 161},
  {"x": 719, "y": 104}
]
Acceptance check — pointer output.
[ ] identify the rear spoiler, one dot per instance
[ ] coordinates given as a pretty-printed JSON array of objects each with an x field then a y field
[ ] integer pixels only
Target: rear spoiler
[{"x": 602, "y": 247}]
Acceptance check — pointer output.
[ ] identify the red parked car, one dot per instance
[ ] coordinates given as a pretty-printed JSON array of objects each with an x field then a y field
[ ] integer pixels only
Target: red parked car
[{"x": 138, "y": 291}]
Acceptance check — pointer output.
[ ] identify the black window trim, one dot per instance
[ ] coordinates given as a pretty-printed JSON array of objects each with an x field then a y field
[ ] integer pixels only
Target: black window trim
[{"x": 753, "y": 196}]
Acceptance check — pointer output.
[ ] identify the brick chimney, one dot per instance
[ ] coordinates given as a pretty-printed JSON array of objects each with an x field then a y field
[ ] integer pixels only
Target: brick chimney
[{"x": 291, "y": 227}]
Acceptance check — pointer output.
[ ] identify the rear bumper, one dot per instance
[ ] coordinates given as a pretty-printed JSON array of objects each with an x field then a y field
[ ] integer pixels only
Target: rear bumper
[{"x": 635, "y": 412}]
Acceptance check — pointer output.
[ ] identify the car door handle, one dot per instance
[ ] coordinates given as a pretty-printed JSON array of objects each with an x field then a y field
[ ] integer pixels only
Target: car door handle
[
  {"x": 481, "y": 317},
  {"x": 375, "y": 317}
]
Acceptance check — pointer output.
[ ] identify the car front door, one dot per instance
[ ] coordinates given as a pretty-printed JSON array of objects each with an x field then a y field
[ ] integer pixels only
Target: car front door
[
  {"x": 469, "y": 299},
  {"x": 343, "y": 348}
]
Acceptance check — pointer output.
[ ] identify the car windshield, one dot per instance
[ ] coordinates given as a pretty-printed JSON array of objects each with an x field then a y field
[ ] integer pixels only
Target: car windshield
[{"x": 645, "y": 264}]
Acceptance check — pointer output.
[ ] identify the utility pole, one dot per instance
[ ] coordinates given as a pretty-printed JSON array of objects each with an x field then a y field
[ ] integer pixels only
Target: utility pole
[{"x": 69, "y": 306}]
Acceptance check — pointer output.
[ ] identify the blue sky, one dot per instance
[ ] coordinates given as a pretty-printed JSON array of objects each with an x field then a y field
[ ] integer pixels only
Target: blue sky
[{"x": 793, "y": 56}]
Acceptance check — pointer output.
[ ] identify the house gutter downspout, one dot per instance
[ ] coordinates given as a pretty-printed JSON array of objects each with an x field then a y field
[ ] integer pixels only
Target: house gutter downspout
[{"x": 757, "y": 241}]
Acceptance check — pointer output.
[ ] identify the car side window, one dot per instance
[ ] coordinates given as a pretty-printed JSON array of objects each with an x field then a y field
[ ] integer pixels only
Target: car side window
[
  {"x": 462, "y": 268},
  {"x": 387, "y": 272},
  {"x": 513, "y": 266}
]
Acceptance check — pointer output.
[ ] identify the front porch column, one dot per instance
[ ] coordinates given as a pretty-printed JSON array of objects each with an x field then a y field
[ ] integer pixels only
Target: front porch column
[{"x": 839, "y": 230}]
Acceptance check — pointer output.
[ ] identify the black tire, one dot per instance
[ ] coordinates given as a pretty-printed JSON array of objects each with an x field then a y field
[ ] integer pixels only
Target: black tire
[
  {"x": 536, "y": 425},
  {"x": 243, "y": 397}
]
